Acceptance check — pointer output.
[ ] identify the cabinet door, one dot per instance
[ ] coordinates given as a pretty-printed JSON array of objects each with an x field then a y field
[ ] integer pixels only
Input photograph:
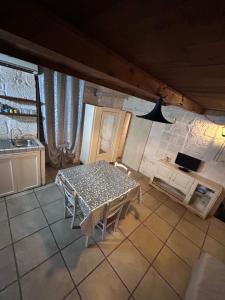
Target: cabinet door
[
  {"x": 107, "y": 135},
  {"x": 7, "y": 181},
  {"x": 28, "y": 171},
  {"x": 164, "y": 173},
  {"x": 182, "y": 182}
]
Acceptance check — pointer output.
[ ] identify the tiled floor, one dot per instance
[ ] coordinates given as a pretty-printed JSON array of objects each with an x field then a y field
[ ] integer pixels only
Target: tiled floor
[{"x": 150, "y": 257}]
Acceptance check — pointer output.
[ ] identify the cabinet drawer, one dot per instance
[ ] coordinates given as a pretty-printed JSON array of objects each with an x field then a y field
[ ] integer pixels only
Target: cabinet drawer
[
  {"x": 164, "y": 173},
  {"x": 182, "y": 181}
]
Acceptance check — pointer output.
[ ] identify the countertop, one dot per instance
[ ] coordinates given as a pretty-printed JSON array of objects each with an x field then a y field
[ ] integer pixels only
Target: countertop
[{"x": 6, "y": 147}]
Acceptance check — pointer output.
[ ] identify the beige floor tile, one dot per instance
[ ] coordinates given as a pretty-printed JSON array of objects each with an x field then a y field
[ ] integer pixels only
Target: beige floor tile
[
  {"x": 129, "y": 264},
  {"x": 48, "y": 193},
  {"x": 150, "y": 201},
  {"x": 81, "y": 260},
  {"x": 103, "y": 284},
  {"x": 197, "y": 221},
  {"x": 27, "y": 223},
  {"x": 192, "y": 232},
  {"x": 168, "y": 215},
  {"x": 217, "y": 222},
  {"x": 111, "y": 241},
  {"x": 140, "y": 211},
  {"x": 183, "y": 247},
  {"x": 146, "y": 242},
  {"x": 5, "y": 236},
  {"x": 173, "y": 269},
  {"x": 63, "y": 233},
  {"x": 160, "y": 227},
  {"x": 214, "y": 248},
  {"x": 129, "y": 224},
  {"x": 176, "y": 207},
  {"x": 11, "y": 293},
  {"x": 144, "y": 185},
  {"x": 34, "y": 249},
  {"x": 73, "y": 296},
  {"x": 154, "y": 287},
  {"x": 21, "y": 204},
  {"x": 54, "y": 211},
  {"x": 7, "y": 267},
  {"x": 217, "y": 232},
  {"x": 3, "y": 212},
  {"x": 50, "y": 280}
]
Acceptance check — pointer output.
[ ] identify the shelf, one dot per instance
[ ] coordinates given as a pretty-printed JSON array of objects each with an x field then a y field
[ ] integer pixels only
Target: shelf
[
  {"x": 20, "y": 100},
  {"x": 17, "y": 115},
  {"x": 168, "y": 189}
]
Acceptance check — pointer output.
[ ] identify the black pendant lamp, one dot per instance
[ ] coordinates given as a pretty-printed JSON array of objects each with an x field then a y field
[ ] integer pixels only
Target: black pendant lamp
[{"x": 156, "y": 114}]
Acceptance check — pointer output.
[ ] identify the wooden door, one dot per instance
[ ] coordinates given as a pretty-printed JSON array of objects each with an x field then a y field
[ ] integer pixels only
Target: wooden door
[{"x": 107, "y": 135}]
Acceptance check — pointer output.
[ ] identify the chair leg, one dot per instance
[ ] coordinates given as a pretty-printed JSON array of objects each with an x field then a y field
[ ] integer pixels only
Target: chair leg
[
  {"x": 86, "y": 241},
  {"x": 73, "y": 220},
  {"x": 65, "y": 208},
  {"x": 117, "y": 220},
  {"x": 126, "y": 209},
  {"x": 103, "y": 232}
]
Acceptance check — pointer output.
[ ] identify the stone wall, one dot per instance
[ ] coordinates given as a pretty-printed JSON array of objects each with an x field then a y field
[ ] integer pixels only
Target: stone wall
[
  {"x": 193, "y": 134},
  {"x": 22, "y": 85},
  {"x": 101, "y": 96}
]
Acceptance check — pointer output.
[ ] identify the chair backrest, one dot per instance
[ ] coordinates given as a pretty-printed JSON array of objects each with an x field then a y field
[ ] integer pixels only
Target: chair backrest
[
  {"x": 69, "y": 192},
  {"x": 114, "y": 207},
  {"x": 122, "y": 168}
]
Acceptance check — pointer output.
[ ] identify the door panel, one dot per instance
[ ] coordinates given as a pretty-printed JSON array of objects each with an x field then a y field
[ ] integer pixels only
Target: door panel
[
  {"x": 7, "y": 182},
  {"x": 136, "y": 141},
  {"x": 182, "y": 181},
  {"x": 28, "y": 171},
  {"x": 107, "y": 135},
  {"x": 164, "y": 173}
]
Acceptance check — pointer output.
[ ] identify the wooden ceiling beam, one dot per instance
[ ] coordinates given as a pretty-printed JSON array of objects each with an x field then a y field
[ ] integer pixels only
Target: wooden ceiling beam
[{"x": 30, "y": 32}]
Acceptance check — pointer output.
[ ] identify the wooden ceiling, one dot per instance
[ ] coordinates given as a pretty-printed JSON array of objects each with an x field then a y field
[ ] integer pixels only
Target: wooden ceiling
[{"x": 181, "y": 43}]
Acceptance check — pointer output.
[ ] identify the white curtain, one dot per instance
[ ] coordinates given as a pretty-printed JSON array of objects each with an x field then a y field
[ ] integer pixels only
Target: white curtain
[{"x": 61, "y": 98}]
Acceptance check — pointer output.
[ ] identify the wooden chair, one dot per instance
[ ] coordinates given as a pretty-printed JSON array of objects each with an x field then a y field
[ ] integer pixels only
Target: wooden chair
[
  {"x": 122, "y": 168},
  {"x": 112, "y": 214},
  {"x": 71, "y": 206}
]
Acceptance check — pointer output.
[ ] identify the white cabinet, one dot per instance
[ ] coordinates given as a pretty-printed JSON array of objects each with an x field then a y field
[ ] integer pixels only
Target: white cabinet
[
  {"x": 175, "y": 178},
  {"x": 7, "y": 181},
  {"x": 195, "y": 192},
  {"x": 19, "y": 172},
  {"x": 103, "y": 128},
  {"x": 165, "y": 173},
  {"x": 182, "y": 181},
  {"x": 28, "y": 171}
]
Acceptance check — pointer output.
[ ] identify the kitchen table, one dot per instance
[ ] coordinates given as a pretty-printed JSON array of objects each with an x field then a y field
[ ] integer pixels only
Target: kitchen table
[{"x": 96, "y": 184}]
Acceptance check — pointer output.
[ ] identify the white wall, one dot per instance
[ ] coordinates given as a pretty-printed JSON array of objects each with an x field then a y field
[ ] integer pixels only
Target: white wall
[
  {"x": 192, "y": 134},
  {"x": 22, "y": 85}
]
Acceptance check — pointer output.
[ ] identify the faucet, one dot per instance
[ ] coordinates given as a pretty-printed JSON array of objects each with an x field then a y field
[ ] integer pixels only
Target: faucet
[{"x": 12, "y": 131}]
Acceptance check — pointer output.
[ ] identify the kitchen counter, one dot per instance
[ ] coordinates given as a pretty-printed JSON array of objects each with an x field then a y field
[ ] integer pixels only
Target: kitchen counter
[
  {"x": 21, "y": 168},
  {"x": 6, "y": 146}
]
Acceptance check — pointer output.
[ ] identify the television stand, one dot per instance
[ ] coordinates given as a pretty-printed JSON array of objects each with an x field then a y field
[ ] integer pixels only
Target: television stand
[
  {"x": 183, "y": 169},
  {"x": 198, "y": 194}
]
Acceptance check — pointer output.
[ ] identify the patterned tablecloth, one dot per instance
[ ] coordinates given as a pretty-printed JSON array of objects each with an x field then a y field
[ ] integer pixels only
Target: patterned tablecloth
[{"x": 95, "y": 184}]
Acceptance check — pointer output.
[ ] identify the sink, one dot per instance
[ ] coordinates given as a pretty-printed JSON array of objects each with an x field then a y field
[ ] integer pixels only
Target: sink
[{"x": 23, "y": 142}]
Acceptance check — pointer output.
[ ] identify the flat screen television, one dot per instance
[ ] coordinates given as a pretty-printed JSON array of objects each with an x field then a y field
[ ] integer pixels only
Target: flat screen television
[{"x": 187, "y": 162}]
